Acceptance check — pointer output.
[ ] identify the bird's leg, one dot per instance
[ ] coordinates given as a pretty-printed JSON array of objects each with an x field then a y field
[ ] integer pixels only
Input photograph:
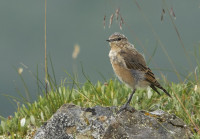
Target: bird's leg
[{"x": 127, "y": 103}]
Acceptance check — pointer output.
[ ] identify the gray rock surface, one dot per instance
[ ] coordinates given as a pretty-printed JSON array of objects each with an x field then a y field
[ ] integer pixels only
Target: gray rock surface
[{"x": 72, "y": 121}]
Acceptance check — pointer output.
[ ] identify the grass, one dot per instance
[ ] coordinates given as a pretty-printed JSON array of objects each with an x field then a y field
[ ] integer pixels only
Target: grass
[{"x": 110, "y": 93}]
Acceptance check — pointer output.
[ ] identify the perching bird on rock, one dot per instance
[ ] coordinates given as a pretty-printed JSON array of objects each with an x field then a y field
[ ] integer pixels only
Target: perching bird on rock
[{"x": 130, "y": 66}]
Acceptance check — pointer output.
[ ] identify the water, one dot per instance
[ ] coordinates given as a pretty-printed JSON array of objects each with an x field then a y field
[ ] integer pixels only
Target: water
[{"x": 81, "y": 22}]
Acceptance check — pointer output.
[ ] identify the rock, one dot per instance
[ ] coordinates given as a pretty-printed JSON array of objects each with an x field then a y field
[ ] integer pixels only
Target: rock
[{"x": 72, "y": 121}]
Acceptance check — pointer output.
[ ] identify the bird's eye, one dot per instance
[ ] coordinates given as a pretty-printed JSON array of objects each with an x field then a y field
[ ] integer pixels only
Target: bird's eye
[{"x": 119, "y": 39}]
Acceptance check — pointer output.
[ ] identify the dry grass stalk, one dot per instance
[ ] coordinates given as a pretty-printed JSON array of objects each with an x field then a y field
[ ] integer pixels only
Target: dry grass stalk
[
  {"x": 20, "y": 70},
  {"x": 104, "y": 21},
  {"x": 111, "y": 19},
  {"x": 187, "y": 113},
  {"x": 163, "y": 10},
  {"x": 121, "y": 22},
  {"x": 24, "y": 65},
  {"x": 76, "y": 51},
  {"x": 172, "y": 12},
  {"x": 162, "y": 14},
  {"x": 45, "y": 46},
  {"x": 117, "y": 13}
]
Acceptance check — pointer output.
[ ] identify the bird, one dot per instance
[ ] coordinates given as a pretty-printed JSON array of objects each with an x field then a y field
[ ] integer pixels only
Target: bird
[{"x": 130, "y": 66}]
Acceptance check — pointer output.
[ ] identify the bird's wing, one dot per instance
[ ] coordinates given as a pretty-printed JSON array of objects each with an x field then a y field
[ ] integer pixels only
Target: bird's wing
[
  {"x": 135, "y": 61},
  {"x": 149, "y": 76}
]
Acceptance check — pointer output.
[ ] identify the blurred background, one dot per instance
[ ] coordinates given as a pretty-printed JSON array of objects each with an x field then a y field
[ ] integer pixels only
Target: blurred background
[{"x": 150, "y": 25}]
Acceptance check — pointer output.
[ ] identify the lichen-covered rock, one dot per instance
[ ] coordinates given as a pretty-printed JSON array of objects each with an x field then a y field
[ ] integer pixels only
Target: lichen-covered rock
[{"x": 72, "y": 121}]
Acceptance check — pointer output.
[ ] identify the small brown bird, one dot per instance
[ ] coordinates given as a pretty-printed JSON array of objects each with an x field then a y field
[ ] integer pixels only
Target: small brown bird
[{"x": 130, "y": 66}]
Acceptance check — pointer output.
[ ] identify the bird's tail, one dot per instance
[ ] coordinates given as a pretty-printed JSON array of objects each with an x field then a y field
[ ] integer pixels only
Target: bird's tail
[
  {"x": 159, "y": 86},
  {"x": 155, "y": 89}
]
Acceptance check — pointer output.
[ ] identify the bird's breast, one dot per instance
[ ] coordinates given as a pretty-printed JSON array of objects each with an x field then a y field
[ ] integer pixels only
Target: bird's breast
[
  {"x": 120, "y": 69},
  {"x": 116, "y": 58},
  {"x": 124, "y": 75},
  {"x": 112, "y": 55}
]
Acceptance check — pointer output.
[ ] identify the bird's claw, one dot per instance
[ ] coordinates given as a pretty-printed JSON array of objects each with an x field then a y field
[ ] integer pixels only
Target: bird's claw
[{"x": 125, "y": 107}]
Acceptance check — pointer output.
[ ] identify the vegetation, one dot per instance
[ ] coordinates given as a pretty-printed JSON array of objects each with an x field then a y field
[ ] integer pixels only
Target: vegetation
[{"x": 184, "y": 103}]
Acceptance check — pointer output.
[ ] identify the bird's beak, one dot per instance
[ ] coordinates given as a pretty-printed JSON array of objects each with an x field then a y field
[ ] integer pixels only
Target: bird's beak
[{"x": 108, "y": 40}]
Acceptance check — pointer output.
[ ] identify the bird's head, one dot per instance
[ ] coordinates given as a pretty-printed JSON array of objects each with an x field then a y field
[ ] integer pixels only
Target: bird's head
[{"x": 117, "y": 39}]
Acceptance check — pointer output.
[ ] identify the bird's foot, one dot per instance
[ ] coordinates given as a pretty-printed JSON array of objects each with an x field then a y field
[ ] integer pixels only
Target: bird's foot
[{"x": 127, "y": 108}]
